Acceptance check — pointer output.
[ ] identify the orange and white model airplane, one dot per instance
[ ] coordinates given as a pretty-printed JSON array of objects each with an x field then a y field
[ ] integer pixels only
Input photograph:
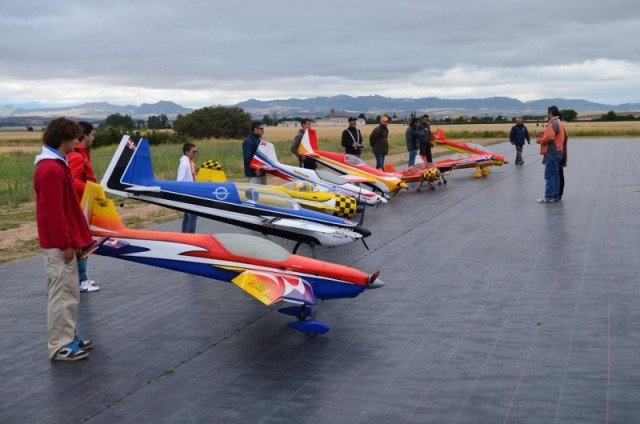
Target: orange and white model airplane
[{"x": 348, "y": 164}]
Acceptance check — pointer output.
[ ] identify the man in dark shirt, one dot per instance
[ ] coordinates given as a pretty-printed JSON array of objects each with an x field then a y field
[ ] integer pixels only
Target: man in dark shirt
[
  {"x": 519, "y": 133},
  {"x": 352, "y": 138}
]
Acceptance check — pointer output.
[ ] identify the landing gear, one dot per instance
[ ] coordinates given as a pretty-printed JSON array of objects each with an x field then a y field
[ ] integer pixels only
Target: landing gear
[
  {"x": 311, "y": 246},
  {"x": 304, "y": 324}
]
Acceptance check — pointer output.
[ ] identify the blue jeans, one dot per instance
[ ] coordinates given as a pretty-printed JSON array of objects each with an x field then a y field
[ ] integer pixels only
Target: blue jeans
[
  {"x": 82, "y": 269},
  {"x": 189, "y": 223},
  {"x": 412, "y": 157},
  {"x": 379, "y": 160},
  {"x": 552, "y": 175}
]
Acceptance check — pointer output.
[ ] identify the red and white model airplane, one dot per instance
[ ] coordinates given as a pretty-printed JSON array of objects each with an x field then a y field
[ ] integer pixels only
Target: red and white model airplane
[
  {"x": 260, "y": 267},
  {"x": 344, "y": 163}
]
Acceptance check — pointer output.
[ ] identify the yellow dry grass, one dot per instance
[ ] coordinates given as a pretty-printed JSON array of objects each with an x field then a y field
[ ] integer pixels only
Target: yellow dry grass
[{"x": 333, "y": 132}]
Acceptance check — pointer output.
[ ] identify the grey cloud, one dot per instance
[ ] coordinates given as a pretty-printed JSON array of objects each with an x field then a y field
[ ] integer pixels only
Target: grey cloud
[{"x": 203, "y": 44}]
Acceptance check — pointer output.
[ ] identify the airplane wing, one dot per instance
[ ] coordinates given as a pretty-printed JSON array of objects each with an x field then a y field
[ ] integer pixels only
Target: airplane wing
[{"x": 269, "y": 288}]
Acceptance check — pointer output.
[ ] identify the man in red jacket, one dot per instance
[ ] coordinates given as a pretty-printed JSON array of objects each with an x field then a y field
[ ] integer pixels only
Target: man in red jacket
[
  {"x": 63, "y": 234},
  {"x": 82, "y": 171}
]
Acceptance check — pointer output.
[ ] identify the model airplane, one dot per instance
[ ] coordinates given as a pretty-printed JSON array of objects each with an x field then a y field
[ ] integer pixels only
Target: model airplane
[
  {"x": 267, "y": 160},
  {"x": 421, "y": 172},
  {"x": 258, "y": 266},
  {"x": 477, "y": 157},
  {"x": 309, "y": 196},
  {"x": 349, "y": 164},
  {"x": 256, "y": 207}
]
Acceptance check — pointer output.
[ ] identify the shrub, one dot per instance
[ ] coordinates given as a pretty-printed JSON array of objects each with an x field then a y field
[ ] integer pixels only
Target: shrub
[{"x": 213, "y": 121}]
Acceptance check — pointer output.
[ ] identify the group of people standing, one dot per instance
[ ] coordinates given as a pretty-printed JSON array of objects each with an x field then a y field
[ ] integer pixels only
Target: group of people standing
[
  {"x": 64, "y": 166},
  {"x": 418, "y": 137}
]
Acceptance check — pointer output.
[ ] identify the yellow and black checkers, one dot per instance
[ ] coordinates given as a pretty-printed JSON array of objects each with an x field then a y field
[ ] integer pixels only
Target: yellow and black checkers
[
  {"x": 211, "y": 171},
  {"x": 346, "y": 206}
]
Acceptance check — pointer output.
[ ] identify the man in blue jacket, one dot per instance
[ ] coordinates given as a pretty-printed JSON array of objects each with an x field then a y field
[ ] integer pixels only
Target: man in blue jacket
[
  {"x": 249, "y": 148},
  {"x": 519, "y": 133}
]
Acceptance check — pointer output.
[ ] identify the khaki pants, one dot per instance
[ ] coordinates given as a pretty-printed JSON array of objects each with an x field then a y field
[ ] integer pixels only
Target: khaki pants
[{"x": 63, "y": 296}]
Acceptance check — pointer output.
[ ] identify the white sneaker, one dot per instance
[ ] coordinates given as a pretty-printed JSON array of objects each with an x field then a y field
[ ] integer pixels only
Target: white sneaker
[{"x": 85, "y": 286}]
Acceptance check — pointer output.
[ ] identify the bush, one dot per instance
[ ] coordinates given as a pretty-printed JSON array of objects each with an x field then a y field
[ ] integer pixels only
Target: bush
[
  {"x": 163, "y": 137},
  {"x": 213, "y": 121},
  {"x": 107, "y": 135}
]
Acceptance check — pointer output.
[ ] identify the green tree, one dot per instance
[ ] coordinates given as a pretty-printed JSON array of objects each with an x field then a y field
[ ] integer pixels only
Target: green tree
[
  {"x": 610, "y": 116},
  {"x": 124, "y": 122},
  {"x": 106, "y": 135},
  {"x": 213, "y": 121},
  {"x": 156, "y": 122},
  {"x": 266, "y": 119},
  {"x": 569, "y": 115}
]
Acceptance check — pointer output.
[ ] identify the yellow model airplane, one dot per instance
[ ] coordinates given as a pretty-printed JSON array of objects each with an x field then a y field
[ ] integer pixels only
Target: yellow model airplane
[{"x": 308, "y": 195}]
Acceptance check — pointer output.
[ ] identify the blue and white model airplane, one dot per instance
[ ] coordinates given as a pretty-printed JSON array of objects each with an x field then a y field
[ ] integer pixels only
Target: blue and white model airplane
[{"x": 130, "y": 174}]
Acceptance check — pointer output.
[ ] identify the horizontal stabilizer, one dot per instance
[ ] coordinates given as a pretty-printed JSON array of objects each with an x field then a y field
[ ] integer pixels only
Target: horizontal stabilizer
[
  {"x": 144, "y": 189},
  {"x": 269, "y": 288},
  {"x": 309, "y": 326}
]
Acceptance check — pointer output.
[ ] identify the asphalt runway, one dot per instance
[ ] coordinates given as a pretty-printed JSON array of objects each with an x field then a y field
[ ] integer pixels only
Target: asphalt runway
[{"x": 496, "y": 309}]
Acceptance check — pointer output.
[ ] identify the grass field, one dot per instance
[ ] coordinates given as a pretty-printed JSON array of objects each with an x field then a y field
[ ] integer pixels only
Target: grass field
[{"x": 19, "y": 146}]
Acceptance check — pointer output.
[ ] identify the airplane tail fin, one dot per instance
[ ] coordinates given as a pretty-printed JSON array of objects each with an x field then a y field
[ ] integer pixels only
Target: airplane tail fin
[
  {"x": 211, "y": 171},
  {"x": 100, "y": 212},
  {"x": 439, "y": 135},
  {"x": 131, "y": 165},
  {"x": 265, "y": 156},
  {"x": 309, "y": 142}
]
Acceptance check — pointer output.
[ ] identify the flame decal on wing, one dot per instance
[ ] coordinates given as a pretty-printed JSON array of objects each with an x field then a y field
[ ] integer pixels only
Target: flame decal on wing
[{"x": 269, "y": 288}]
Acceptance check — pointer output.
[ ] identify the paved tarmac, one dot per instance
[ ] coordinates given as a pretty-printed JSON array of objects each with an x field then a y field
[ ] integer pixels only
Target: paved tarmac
[{"x": 496, "y": 309}]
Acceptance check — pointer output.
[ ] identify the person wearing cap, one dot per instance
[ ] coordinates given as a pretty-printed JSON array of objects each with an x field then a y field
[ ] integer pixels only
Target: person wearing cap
[
  {"x": 303, "y": 161},
  {"x": 425, "y": 139},
  {"x": 352, "y": 138},
  {"x": 379, "y": 141}
]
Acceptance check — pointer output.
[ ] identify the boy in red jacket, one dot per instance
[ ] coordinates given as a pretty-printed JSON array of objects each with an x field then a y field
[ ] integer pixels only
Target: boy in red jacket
[{"x": 63, "y": 234}]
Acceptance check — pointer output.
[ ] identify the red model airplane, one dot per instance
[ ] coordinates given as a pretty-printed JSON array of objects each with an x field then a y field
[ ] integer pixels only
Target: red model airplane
[
  {"x": 477, "y": 157},
  {"x": 260, "y": 267}
]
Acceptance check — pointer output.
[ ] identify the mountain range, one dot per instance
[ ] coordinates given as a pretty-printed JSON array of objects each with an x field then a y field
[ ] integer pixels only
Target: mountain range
[{"x": 323, "y": 106}]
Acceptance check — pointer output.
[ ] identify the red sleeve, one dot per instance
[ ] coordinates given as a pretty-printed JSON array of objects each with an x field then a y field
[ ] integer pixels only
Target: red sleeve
[{"x": 76, "y": 166}]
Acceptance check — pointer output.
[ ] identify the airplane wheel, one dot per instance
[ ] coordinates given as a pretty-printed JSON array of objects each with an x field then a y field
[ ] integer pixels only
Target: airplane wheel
[{"x": 312, "y": 335}]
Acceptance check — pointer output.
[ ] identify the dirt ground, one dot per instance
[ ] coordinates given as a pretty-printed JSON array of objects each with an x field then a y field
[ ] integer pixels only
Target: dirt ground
[{"x": 20, "y": 242}]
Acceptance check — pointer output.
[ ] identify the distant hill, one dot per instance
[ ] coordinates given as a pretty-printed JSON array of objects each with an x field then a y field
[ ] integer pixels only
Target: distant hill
[
  {"x": 92, "y": 111},
  {"x": 322, "y": 106},
  {"x": 375, "y": 105}
]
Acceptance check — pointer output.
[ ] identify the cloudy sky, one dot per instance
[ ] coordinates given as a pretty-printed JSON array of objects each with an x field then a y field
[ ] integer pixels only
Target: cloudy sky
[{"x": 208, "y": 52}]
